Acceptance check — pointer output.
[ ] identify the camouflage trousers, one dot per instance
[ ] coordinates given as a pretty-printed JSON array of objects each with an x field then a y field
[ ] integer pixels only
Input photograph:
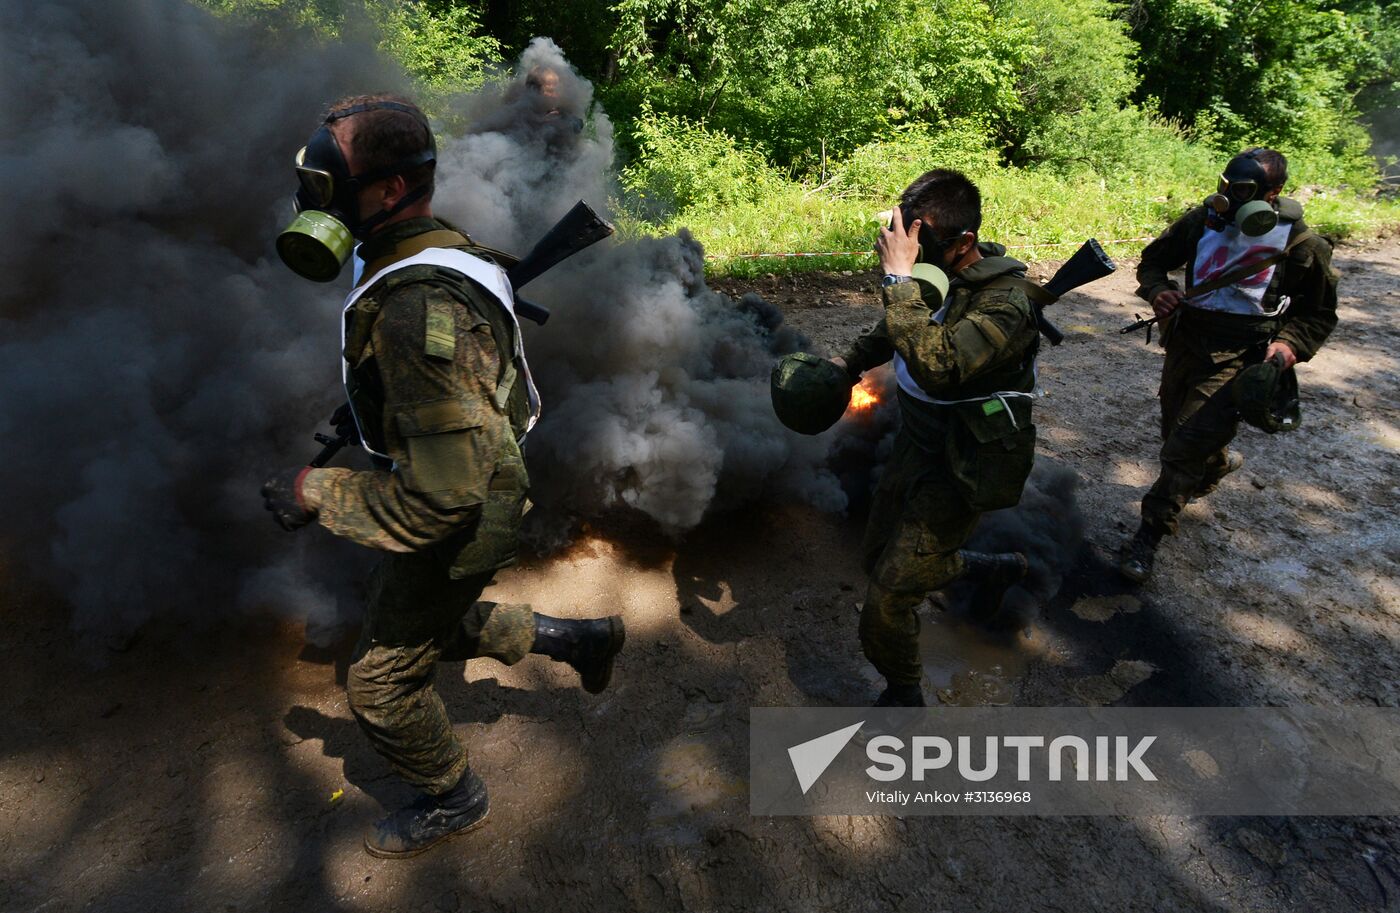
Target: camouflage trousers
[
  {"x": 417, "y": 617},
  {"x": 1198, "y": 422},
  {"x": 918, "y": 522}
]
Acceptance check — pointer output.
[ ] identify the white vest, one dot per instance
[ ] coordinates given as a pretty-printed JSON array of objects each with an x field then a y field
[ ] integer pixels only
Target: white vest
[
  {"x": 484, "y": 273},
  {"x": 1222, "y": 252}
]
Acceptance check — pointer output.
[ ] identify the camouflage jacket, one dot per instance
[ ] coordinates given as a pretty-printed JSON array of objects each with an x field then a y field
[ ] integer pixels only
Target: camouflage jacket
[
  {"x": 985, "y": 344},
  {"x": 1306, "y": 276},
  {"x": 432, "y": 391}
]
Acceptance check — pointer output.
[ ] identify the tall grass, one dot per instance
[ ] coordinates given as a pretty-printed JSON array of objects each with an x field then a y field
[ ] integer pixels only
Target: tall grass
[{"x": 1115, "y": 176}]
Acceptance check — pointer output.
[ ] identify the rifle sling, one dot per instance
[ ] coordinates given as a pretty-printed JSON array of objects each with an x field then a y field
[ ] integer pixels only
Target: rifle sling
[
  {"x": 1249, "y": 269},
  {"x": 1035, "y": 293}
]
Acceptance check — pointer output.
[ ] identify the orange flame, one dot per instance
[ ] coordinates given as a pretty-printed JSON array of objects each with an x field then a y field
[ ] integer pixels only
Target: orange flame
[{"x": 863, "y": 399}]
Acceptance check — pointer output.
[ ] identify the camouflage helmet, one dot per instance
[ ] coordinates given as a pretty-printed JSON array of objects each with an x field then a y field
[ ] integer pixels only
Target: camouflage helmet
[
  {"x": 809, "y": 393},
  {"x": 1267, "y": 397}
]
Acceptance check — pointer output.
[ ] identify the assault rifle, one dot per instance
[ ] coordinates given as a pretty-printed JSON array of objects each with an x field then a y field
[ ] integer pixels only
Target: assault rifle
[
  {"x": 581, "y": 227},
  {"x": 1088, "y": 264},
  {"x": 1142, "y": 323}
]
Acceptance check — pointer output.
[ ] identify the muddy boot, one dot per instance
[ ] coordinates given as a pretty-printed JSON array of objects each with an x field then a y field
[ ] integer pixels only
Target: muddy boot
[
  {"x": 993, "y": 575},
  {"x": 1135, "y": 560},
  {"x": 1234, "y": 461},
  {"x": 901, "y": 696},
  {"x": 589, "y": 646},
  {"x": 430, "y": 820}
]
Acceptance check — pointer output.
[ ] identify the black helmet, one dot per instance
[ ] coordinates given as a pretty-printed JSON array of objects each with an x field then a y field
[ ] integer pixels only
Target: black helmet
[
  {"x": 1267, "y": 397},
  {"x": 810, "y": 394}
]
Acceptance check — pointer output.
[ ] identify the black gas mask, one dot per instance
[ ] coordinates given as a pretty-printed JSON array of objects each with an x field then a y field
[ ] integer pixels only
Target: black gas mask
[
  {"x": 1239, "y": 198},
  {"x": 321, "y": 237},
  {"x": 930, "y": 268}
]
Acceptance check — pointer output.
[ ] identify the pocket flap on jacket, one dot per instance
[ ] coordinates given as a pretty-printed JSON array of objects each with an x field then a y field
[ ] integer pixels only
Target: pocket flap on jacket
[{"x": 439, "y": 416}]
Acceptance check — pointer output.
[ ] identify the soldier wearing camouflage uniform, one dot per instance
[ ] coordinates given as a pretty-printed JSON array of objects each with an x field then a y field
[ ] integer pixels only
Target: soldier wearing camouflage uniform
[
  {"x": 1284, "y": 311},
  {"x": 438, "y": 386},
  {"x": 966, "y": 372}
]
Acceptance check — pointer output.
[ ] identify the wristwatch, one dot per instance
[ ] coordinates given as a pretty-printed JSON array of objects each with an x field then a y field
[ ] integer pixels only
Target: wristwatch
[{"x": 891, "y": 279}]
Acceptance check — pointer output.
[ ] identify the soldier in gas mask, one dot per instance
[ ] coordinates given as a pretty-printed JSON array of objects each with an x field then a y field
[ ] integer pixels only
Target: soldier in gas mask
[
  {"x": 439, "y": 392},
  {"x": 1260, "y": 288},
  {"x": 964, "y": 353}
]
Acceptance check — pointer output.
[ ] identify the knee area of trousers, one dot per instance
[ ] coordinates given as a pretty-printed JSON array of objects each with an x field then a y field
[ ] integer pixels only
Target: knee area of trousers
[
  {"x": 371, "y": 685},
  {"x": 888, "y": 612},
  {"x": 919, "y": 573}
]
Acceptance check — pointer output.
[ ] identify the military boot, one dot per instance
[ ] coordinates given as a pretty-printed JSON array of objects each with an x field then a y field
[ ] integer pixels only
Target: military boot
[
  {"x": 1234, "y": 461},
  {"x": 430, "y": 820},
  {"x": 589, "y": 646},
  {"x": 993, "y": 575},
  {"x": 1135, "y": 560},
  {"x": 901, "y": 696}
]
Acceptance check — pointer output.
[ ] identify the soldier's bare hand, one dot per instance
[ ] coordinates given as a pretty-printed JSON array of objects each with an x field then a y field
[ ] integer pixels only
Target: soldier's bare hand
[
  {"x": 1166, "y": 302},
  {"x": 898, "y": 249},
  {"x": 1285, "y": 353}
]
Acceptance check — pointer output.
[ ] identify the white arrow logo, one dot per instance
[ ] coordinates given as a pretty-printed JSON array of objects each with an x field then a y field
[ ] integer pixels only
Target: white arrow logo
[{"x": 811, "y": 759}]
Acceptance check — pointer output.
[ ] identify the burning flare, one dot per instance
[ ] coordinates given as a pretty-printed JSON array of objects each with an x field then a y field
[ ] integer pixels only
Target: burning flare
[{"x": 863, "y": 398}]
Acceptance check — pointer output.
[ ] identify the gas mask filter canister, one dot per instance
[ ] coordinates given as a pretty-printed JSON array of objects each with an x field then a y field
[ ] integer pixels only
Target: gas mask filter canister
[
  {"x": 1238, "y": 198},
  {"x": 321, "y": 238}
]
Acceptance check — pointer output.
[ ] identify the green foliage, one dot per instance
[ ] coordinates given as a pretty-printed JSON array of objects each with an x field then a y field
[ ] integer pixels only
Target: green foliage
[
  {"x": 683, "y": 166},
  {"x": 1275, "y": 72},
  {"x": 1084, "y": 67},
  {"x": 880, "y": 170},
  {"x": 800, "y": 74},
  {"x": 1117, "y": 141},
  {"x": 441, "y": 45},
  {"x": 785, "y": 125},
  {"x": 441, "y": 49}
]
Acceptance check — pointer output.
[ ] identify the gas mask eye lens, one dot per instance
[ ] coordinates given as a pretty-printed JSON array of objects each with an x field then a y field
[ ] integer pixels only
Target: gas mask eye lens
[
  {"x": 316, "y": 183},
  {"x": 1243, "y": 191}
]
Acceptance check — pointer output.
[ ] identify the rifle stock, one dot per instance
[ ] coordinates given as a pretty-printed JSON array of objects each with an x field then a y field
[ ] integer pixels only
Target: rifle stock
[
  {"x": 1088, "y": 264},
  {"x": 581, "y": 227}
]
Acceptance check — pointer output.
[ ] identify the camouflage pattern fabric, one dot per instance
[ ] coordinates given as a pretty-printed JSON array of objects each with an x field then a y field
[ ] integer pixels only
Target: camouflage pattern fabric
[
  {"x": 1199, "y": 420},
  {"x": 426, "y": 366},
  {"x": 1306, "y": 276},
  {"x": 918, "y": 522},
  {"x": 924, "y": 507},
  {"x": 433, "y": 392},
  {"x": 418, "y": 617}
]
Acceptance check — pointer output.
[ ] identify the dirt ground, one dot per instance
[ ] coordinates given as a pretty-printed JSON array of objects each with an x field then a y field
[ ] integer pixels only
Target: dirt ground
[{"x": 222, "y": 771}]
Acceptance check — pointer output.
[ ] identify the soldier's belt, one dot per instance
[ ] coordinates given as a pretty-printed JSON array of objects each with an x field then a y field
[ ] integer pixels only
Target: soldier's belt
[{"x": 1227, "y": 331}]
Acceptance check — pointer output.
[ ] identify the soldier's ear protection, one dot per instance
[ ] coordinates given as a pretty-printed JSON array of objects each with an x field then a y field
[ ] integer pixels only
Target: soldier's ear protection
[{"x": 321, "y": 236}]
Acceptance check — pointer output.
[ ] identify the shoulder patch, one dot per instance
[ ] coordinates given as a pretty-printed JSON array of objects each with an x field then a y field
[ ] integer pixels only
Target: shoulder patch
[{"x": 439, "y": 336}]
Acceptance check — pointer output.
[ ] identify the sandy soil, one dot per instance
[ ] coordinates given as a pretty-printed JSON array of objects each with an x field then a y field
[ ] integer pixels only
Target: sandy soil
[{"x": 221, "y": 771}]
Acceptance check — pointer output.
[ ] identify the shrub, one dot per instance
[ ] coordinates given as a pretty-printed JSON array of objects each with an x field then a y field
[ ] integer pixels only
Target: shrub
[{"x": 683, "y": 166}]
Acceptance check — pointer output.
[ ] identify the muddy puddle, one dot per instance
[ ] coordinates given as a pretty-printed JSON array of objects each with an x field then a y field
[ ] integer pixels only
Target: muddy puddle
[{"x": 968, "y": 666}]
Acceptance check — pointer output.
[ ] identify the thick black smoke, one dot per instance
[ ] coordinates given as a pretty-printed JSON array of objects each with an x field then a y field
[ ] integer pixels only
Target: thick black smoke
[
  {"x": 655, "y": 387},
  {"x": 157, "y": 361},
  {"x": 1047, "y": 527}
]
